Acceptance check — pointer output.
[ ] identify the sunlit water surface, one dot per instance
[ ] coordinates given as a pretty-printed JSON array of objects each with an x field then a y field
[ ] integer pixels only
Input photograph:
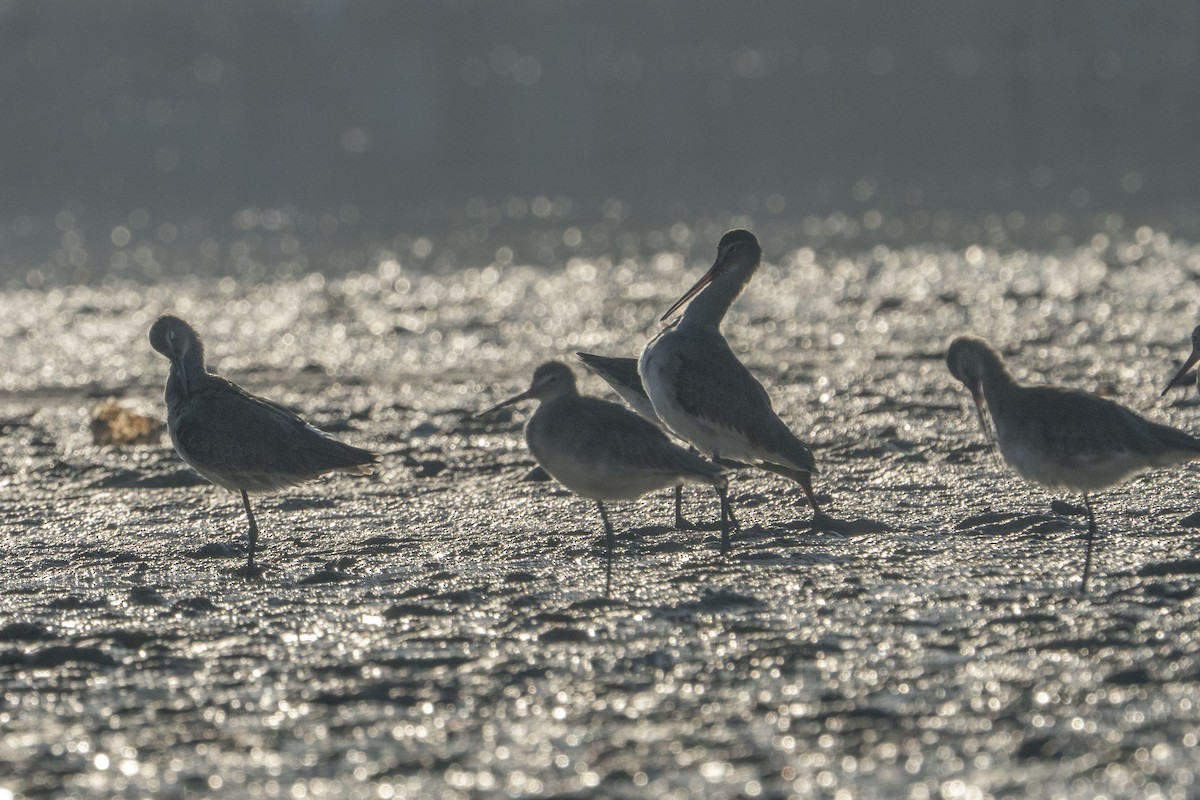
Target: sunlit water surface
[{"x": 439, "y": 628}]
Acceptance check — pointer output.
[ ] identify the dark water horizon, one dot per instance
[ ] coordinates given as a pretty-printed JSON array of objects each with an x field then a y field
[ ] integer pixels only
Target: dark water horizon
[{"x": 144, "y": 140}]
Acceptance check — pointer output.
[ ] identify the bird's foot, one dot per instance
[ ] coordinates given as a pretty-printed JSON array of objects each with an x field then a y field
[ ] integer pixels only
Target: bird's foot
[
  {"x": 250, "y": 571},
  {"x": 847, "y": 528},
  {"x": 824, "y": 523},
  {"x": 684, "y": 524},
  {"x": 1067, "y": 509}
]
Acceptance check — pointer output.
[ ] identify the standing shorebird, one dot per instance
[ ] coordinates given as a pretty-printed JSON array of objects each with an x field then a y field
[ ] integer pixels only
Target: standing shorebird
[
  {"x": 622, "y": 375},
  {"x": 704, "y": 394},
  {"x": 1064, "y": 439},
  {"x": 238, "y": 441},
  {"x": 1191, "y": 360},
  {"x": 602, "y": 451}
]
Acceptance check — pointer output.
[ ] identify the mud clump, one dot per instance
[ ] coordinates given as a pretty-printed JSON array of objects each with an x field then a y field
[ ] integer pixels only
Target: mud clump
[{"x": 113, "y": 425}]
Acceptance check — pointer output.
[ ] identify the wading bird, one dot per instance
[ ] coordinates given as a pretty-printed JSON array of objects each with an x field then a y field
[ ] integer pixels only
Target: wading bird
[
  {"x": 622, "y": 375},
  {"x": 603, "y": 451},
  {"x": 704, "y": 394},
  {"x": 237, "y": 440},
  {"x": 1064, "y": 439}
]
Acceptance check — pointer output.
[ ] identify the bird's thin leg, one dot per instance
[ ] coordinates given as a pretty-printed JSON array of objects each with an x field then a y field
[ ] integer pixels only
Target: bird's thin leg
[
  {"x": 251, "y": 536},
  {"x": 805, "y": 481},
  {"x": 681, "y": 524},
  {"x": 726, "y": 516},
  {"x": 822, "y": 522},
  {"x": 608, "y": 540},
  {"x": 734, "y": 525},
  {"x": 1091, "y": 536}
]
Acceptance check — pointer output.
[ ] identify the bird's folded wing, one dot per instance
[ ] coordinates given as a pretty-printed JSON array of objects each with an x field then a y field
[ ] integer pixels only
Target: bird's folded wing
[{"x": 728, "y": 396}]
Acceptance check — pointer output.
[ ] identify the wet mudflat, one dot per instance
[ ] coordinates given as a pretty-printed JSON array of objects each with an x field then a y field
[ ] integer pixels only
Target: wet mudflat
[{"x": 439, "y": 628}]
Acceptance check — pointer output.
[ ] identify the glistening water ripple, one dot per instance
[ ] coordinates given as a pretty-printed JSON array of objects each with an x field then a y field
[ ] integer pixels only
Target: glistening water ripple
[{"x": 439, "y": 628}]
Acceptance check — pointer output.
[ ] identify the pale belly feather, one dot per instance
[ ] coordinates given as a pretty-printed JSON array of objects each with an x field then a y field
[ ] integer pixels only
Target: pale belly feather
[
  {"x": 1089, "y": 476},
  {"x": 706, "y": 435},
  {"x": 597, "y": 480}
]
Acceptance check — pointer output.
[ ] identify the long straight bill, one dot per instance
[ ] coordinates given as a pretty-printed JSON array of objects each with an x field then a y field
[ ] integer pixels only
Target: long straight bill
[
  {"x": 705, "y": 280},
  {"x": 514, "y": 399},
  {"x": 984, "y": 424},
  {"x": 1192, "y": 359}
]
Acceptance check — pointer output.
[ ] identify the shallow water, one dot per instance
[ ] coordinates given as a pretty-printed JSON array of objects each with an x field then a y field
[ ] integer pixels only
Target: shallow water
[{"x": 439, "y": 629}]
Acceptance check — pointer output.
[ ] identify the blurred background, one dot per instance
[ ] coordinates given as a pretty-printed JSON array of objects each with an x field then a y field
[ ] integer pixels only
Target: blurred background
[{"x": 267, "y": 139}]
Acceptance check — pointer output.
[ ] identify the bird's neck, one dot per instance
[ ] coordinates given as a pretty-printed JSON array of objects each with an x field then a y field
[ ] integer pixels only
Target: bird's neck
[
  {"x": 551, "y": 412},
  {"x": 709, "y": 307},
  {"x": 998, "y": 387},
  {"x": 562, "y": 393},
  {"x": 188, "y": 376}
]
